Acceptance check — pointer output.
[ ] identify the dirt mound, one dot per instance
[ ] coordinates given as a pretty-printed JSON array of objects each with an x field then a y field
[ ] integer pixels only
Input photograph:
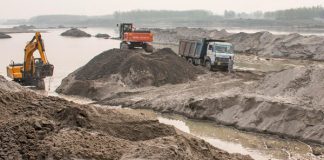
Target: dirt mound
[
  {"x": 303, "y": 85},
  {"x": 36, "y": 127},
  {"x": 74, "y": 32},
  {"x": 172, "y": 36},
  {"x": 4, "y": 36},
  {"x": 138, "y": 69},
  {"x": 290, "y": 46},
  {"x": 260, "y": 43},
  {"x": 9, "y": 85},
  {"x": 128, "y": 68},
  {"x": 100, "y": 35}
]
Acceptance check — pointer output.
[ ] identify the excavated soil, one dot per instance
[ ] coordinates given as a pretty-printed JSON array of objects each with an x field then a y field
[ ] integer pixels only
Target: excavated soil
[
  {"x": 266, "y": 44},
  {"x": 74, "y": 32},
  {"x": 119, "y": 70},
  {"x": 288, "y": 103},
  {"x": 36, "y": 127}
]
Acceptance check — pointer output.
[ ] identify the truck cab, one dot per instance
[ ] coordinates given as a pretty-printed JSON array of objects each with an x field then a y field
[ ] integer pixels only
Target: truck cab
[{"x": 219, "y": 54}]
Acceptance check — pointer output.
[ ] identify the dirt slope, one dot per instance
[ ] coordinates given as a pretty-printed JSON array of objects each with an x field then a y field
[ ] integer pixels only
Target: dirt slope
[
  {"x": 119, "y": 70},
  {"x": 260, "y": 43},
  {"x": 287, "y": 103},
  {"x": 36, "y": 127}
]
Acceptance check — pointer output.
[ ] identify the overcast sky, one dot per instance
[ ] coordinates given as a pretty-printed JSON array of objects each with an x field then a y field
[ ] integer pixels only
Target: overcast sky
[{"x": 28, "y": 8}]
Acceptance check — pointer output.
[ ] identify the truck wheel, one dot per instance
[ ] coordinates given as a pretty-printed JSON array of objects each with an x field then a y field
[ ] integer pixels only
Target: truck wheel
[
  {"x": 208, "y": 65},
  {"x": 190, "y": 61},
  {"x": 123, "y": 45}
]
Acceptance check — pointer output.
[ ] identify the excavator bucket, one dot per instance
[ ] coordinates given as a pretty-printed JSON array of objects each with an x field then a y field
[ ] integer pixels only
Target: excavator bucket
[{"x": 47, "y": 70}]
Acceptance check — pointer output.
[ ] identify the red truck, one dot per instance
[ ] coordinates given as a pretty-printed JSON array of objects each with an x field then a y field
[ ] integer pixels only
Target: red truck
[{"x": 132, "y": 38}]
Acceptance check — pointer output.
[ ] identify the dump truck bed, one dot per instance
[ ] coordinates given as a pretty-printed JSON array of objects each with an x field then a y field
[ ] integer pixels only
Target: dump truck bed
[{"x": 191, "y": 48}]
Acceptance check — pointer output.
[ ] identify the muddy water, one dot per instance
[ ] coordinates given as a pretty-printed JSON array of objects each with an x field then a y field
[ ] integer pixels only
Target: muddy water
[{"x": 260, "y": 147}]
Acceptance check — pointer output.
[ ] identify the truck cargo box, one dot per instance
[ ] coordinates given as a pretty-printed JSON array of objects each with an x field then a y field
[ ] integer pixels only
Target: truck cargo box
[
  {"x": 138, "y": 37},
  {"x": 191, "y": 48}
]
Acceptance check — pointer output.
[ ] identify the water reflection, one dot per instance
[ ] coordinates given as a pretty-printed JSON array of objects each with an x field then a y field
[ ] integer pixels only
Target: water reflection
[
  {"x": 67, "y": 54},
  {"x": 261, "y": 147}
]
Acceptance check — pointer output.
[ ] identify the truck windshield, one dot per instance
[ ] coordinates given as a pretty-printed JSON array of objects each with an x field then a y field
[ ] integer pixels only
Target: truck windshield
[{"x": 224, "y": 49}]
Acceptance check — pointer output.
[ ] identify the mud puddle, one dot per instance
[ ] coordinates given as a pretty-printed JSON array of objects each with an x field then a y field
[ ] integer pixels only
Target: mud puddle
[{"x": 260, "y": 147}]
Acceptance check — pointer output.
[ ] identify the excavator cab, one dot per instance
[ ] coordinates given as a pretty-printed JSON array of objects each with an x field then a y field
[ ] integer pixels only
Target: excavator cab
[{"x": 123, "y": 28}]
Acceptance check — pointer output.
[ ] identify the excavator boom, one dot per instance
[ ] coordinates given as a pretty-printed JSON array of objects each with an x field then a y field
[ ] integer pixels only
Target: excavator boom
[{"x": 35, "y": 44}]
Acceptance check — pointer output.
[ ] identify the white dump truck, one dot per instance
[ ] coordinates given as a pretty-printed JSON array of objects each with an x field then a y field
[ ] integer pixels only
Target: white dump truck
[{"x": 213, "y": 54}]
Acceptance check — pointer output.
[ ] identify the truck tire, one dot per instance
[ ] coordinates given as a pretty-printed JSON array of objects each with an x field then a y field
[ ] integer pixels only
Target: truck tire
[
  {"x": 123, "y": 45},
  {"x": 208, "y": 65},
  {"x": 190, "y": 60}
]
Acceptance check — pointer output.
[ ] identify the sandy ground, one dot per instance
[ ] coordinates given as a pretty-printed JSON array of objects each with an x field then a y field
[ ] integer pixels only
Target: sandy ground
[{"x": 33, "y": 126}]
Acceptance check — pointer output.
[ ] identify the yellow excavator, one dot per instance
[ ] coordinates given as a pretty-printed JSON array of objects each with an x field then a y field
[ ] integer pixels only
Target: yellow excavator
[{"x": 33, "y": 71}]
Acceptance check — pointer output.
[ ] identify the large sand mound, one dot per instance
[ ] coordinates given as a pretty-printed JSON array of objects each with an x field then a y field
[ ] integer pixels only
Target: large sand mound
[
  {"x": 260, "y": 43},
  {"x": 121, "y": 69}
]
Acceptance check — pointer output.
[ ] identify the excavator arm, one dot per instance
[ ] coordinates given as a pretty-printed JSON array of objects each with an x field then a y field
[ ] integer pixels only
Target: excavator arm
[{"x": 35, "y": 44}]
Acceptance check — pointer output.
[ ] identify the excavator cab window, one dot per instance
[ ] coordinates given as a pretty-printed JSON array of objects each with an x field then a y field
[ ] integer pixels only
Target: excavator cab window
[
  {"x": 125, "y": 27},
  {"x": 38, "y": 62}
]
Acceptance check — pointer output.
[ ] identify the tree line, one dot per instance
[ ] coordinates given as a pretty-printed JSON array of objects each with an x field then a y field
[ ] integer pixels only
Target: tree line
[{"x": 304, "y": 13}]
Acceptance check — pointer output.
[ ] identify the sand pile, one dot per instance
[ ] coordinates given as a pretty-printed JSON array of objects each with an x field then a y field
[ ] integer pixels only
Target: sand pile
[
  {"x": 301, "y": 85},
  {"x": 101, "y": 35},
  {"x": 36, "y": 127},
  {"x": 260, "y": 43},
  {"x": 74, "y": 32},
  {"x": 4, "y": 36},
  {"x": 121, "y": 69},
  {"x": 289, "y": 46},
  {"x": 172, "y": 36}
]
